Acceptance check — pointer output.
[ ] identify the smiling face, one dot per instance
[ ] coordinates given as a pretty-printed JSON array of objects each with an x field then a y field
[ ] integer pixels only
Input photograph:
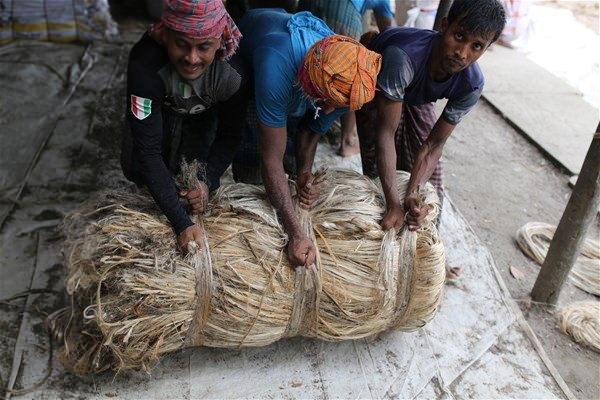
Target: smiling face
[
  {"x": 190, "y": 57},
  {"x": 455, "y": 50}
]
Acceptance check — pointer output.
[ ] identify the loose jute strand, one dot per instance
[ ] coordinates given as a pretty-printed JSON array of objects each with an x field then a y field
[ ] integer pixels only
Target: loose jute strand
[
  {"x": 201, "y": 263},
  {"x": 408, "y": 244},
  {"x": 581, "y": 320},
  {"x": 534, "y": 240},
  {"x": 305, "y": 309}
]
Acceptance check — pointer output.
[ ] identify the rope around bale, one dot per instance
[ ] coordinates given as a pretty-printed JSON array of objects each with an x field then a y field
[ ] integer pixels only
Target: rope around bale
[
  {"x": 200, "y": 260},
  {"x": 135, "y": 298},
  {"x": 534, "y": 240},
  {"x": 581, "y": 320}
]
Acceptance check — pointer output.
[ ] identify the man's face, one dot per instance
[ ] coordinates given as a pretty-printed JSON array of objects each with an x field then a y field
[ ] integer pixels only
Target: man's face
[
  {"x": 190, "y": 57},
  {"x": 458, "y": 49}
]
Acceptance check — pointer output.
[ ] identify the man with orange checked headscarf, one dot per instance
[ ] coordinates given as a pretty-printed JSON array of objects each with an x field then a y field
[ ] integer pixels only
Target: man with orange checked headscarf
[
  {"x": 184, "y": 99},
  {"x": 300, "y": 69}
]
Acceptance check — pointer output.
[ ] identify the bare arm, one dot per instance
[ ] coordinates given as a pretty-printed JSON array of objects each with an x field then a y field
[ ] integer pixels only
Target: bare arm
[
  {"x": 306, "y": 147},
  {"x": 430, "y": 154},
  {"x": 388, "y": 118},
  {"x": 383, "y": 22},
  {"x": 427, "y": 159},
  {"x": 272, "y": 143}
]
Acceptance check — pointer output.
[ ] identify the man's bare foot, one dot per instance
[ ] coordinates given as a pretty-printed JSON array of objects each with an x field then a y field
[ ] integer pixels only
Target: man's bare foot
[
  {"x": 452, "y": 272},
  {"x": 349, "y": 146}
]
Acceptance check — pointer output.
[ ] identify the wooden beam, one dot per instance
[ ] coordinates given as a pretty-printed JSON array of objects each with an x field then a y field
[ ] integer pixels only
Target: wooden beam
[
  {"x": 572, "y": 229},
  {"x": 442, "y": 11}
]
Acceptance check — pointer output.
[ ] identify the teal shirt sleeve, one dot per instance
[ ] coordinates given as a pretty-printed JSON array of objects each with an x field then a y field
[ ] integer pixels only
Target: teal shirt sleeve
[
  {"x": 380, "y": 8},
  {"x": 274, "y": 91},
  {"x": 273, "y": 87}
]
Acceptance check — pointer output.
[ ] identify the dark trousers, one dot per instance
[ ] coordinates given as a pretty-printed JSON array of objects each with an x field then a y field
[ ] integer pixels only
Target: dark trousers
[{"x": 246, "y": 164}]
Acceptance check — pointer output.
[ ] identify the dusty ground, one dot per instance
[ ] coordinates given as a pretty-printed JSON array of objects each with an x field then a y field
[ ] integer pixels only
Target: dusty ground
[
  {"x": 499, "y": 182},
  {"x": 586, "y": 11}
]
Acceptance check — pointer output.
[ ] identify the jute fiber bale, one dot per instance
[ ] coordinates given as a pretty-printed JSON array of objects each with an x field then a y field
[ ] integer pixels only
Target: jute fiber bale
[
  {"x": 135, "y": 298},
  {"x": 534, "y": 240},
  {"x": 581, "y": 321}
]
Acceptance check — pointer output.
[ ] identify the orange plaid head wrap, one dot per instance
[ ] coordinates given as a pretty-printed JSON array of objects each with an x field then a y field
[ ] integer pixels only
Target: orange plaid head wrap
[{"x": 341, "y": 71}]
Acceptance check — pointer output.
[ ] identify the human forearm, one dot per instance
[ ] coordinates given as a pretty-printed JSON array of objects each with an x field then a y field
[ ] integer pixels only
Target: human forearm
[
  {"x": 388, "y": 117},
  {"x": 160, "y": 183},
  {"x": 429, "y": 155},
  {"x": 306, "y": 147},
  {"x": 147, "y": 138},
  {"x": 386, "y": 166},
  {"x": 218, "y": 162},
  {"x": 425, "y": 163},
  {"x": 278, "y": 191},
  {"x": 272, "y": 143},
  {"x": 220, "y": 157}
]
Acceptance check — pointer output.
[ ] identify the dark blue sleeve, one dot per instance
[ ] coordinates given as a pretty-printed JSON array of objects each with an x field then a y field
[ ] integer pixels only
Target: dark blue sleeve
[
  {"x": 456, "y": 109},
  {"x": 459, "y": 105},
  {"x": 396, "y": 73}
]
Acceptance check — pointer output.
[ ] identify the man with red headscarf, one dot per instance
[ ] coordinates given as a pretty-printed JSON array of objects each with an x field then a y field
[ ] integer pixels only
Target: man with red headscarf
[{"x": 184, "y": 99}]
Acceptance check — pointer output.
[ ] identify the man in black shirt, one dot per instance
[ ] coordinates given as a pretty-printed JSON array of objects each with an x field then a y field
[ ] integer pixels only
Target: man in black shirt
[{"x": 183, "y": 99}]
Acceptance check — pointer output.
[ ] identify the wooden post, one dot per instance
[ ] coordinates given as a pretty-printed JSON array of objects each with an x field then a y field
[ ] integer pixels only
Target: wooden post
[
  {"x": 442, "y": 11},
  {"x": 570, "y": 233}
]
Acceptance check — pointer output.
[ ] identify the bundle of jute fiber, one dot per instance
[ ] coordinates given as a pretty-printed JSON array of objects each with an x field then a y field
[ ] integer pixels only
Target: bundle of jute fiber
[
  {"x": 135, "y": 298},
  {"x": 534, "y": 239},
  {"x": 581, "y": 320}
]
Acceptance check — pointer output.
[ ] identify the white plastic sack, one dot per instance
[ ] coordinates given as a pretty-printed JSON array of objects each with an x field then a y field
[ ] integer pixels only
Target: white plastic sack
[
  {"x": 55, "y": 20},
  {"x": 517, "y": 19},
  {"x": 422, "y": 15}
]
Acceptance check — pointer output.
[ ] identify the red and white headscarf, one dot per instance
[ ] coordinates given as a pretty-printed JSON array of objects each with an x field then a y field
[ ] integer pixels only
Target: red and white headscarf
[{"x": 201, "y": 19}]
